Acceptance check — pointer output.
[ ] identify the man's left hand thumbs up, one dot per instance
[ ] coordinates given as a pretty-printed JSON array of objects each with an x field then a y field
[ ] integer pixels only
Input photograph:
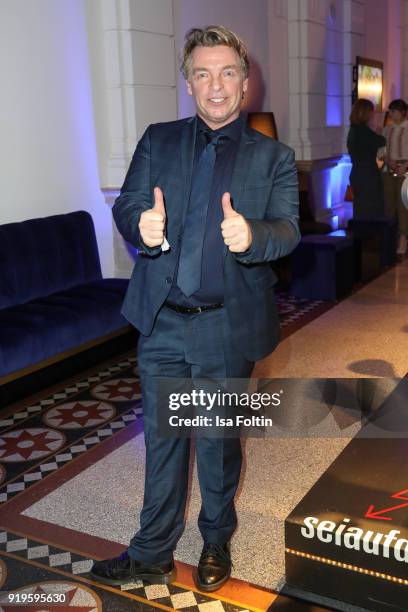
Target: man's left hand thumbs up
[{"x": 235, "y": 229}]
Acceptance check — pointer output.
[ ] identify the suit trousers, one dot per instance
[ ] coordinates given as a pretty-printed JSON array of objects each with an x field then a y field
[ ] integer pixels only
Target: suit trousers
[
  {"x": 188, "y": 346},
  {"x": 394, "y": 206}
]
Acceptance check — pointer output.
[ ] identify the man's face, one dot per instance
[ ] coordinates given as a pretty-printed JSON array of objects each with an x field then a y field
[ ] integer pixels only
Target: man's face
[{"x": 216, "y": 83}]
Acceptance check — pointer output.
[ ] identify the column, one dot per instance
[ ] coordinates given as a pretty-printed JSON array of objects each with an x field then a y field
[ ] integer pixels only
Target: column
[
  {"x": 317, "y": 33},
  {"x": 133, "y": 63}
]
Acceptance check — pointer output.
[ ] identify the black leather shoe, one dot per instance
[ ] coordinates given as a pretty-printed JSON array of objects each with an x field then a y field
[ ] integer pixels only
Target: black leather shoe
[
  {"x": 123, "y": 569},
  {"x": 214, "y": 567}
]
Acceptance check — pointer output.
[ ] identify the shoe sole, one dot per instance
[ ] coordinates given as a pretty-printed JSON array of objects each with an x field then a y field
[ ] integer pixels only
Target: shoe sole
[
  {"x": 151, "y": 579},
  {"x": 209, "y": 588}
]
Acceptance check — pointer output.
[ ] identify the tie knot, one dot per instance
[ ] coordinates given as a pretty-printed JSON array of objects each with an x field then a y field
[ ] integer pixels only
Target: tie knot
[{"x": 212, "y": 138}]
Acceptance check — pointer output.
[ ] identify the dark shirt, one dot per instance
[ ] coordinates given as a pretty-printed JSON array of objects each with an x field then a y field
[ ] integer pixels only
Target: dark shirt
[
  {"x": 363, "y": 144},
  {"x": 212, "y": 285}
]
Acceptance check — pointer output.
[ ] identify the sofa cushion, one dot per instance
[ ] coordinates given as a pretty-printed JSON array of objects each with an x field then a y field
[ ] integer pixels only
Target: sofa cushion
[
  {"x": 39, "y": 257},
  {"x": 56, "y": 323}
]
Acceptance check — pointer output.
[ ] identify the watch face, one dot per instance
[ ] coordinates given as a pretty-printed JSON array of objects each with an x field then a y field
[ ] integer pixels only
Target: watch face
[{"x": 404, "y": 192}]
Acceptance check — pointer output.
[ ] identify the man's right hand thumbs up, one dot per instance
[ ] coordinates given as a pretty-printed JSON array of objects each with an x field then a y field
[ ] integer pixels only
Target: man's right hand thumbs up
[{"x": 152, "y": 221}]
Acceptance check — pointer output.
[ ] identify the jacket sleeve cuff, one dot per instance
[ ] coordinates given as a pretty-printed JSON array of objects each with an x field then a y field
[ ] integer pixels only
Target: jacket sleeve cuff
[
  {"x": 245, "y": 256},
  {"x": 149, "y": 251}
]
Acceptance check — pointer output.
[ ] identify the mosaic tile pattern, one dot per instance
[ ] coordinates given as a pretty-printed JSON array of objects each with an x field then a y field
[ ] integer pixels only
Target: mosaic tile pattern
[
  {"x": 52, "y": 557},
  {"x": 53, "y": 463},
  {"x": 297, "y": 311}
]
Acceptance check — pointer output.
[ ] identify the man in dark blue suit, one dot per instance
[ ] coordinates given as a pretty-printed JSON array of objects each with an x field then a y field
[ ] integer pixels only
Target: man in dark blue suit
[{"x": 209, "y": 202}]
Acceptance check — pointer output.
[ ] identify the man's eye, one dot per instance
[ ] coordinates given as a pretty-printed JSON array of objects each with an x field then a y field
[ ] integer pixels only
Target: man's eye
[
  {"x": 228, "y": 73},
  {"x": 201, "y": 75}
]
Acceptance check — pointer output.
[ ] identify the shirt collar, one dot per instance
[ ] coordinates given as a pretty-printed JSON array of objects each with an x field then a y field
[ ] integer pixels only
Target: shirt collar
[{"x": 231, "y": 130}]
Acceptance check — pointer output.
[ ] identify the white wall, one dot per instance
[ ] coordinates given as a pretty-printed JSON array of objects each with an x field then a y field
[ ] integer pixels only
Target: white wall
[
  {"x": 278, "y": 66},
  {"x": 48, "y": 160},
  {"x": 404, "y": 32},
  {"x": 383, "y": 42}
]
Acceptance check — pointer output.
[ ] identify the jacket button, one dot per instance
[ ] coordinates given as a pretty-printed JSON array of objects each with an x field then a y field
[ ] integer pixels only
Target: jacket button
[{"x": 169, "y": 280}]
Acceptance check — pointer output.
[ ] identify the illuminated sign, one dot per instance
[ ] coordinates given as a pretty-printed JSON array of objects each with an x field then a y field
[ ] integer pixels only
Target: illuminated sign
[{"x": 368, "y": 541}]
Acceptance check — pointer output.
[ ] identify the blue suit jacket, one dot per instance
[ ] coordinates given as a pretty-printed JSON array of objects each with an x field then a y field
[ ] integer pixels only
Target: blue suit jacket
[{"x": 264, "y": 190}]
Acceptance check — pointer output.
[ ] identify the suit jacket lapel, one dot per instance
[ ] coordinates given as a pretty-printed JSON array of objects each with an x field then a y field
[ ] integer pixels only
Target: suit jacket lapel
[
  {"x": 188, "y": 137},
  {"x": 242, "y": 166}
]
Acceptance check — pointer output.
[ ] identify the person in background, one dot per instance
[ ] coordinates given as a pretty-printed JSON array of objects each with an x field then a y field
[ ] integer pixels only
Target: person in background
[
  {"x": 365, "y": 177},
  {"x": 395, "y": 168}
]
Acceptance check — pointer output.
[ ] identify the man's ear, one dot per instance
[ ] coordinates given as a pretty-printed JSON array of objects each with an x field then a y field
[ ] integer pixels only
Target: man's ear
[
  {"x": 245, "y": 85},
  {"x": 189, "y": 90}
]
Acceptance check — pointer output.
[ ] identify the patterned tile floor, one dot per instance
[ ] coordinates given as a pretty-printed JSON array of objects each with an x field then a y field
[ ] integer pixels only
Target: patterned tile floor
[
  {"x": 296, "y": 312},
  {"x": 61, "y": 568},
  {"x": 43, "y": 443}
]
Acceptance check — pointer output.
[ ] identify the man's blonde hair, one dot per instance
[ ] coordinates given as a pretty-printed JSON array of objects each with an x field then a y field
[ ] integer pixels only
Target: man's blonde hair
[{"x": 212, "y": 36}]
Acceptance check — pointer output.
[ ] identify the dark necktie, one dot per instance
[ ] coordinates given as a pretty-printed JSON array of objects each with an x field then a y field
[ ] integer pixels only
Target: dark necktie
[{"x": 189, "y": 270}]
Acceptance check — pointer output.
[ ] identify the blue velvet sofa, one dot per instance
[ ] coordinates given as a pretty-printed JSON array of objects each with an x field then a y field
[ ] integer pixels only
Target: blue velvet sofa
[{"x": 53, "y": 299}]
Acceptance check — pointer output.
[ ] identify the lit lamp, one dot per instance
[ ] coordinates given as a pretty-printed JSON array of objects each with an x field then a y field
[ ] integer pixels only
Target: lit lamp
[
  {"x": 264, "y": 123},
  {"x": 369, "y": 76},
  {"x": 348, "y": 196}
]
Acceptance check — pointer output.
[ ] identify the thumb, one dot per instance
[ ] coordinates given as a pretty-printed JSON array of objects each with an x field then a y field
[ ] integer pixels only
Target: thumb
[
  {"x": 159, "y": 202},
  {"x": 227, "y": 206}
]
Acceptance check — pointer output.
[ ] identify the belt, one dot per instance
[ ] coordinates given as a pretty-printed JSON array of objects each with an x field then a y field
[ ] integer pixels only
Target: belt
[{"x": 192, "y": 309}]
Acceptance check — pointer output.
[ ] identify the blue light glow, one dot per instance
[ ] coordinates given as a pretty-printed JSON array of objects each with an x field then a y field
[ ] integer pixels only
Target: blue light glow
[
  {"x": 333, "y": 111},
  {"x": 332, "y": 188}
]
